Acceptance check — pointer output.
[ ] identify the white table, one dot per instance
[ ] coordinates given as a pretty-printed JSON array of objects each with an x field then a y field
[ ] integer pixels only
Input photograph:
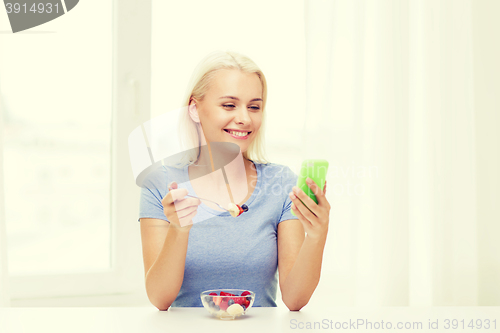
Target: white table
[{"x": 260, "y": 320}]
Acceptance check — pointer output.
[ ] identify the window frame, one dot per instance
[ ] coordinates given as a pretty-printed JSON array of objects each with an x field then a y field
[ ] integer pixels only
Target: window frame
[{"x": 131, "y": 86}]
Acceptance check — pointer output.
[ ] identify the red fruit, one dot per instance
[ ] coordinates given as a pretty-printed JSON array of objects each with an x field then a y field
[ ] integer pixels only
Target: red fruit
[
  {"x": 223, "y": 305},
  {"x": 245, "y": 293},
  {"x": 240, "y": 300},
  {"x": 213, "y": 294},
  {"x": 247, "y": 301},
  {"x": 223, "y": 293},
  {"x": 231, "y": 294},
  {"x": 217, "y": 300}
]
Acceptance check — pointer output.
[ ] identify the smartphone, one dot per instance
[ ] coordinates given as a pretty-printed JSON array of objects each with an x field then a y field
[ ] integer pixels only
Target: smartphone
[{"x": 316, "y": 170}]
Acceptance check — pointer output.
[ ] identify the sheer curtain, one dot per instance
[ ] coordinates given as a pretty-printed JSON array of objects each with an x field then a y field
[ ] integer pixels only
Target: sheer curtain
[
  {"x": 4, "y": 274},
  {"x": 390, "y": 103}
]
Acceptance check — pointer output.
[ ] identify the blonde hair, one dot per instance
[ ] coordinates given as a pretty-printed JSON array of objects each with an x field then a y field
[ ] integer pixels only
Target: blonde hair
[{"x": 197, "y": 88}]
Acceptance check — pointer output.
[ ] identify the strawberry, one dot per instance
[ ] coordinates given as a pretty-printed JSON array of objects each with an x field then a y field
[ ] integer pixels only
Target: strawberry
[
  {"x": 241, "y": 210},
  {"x": 223, "y": 305},
  {"x": 217, "y": 300},
  {"x": 240, "y": 300},
  {"x": 213, "y": 294},
  {"x": 245, "y": 293}
]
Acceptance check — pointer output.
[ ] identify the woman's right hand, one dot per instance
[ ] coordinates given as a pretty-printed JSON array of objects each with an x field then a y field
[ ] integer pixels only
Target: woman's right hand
[{"x": 179, "y": 211}]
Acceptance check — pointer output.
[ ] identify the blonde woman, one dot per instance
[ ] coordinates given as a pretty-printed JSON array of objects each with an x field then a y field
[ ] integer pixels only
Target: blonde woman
[{"x": 225, "y": 102}]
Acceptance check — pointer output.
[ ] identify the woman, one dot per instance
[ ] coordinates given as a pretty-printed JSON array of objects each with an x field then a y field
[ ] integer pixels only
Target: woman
[{"x": 225, "y": 103}]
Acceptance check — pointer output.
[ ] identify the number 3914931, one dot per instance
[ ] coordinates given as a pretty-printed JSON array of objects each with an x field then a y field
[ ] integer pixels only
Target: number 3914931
[{"x": 36, "y": 8}]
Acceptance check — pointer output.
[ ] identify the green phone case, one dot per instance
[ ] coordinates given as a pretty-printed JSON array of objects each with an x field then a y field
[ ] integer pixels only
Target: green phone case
[{"x": 316, "y": 170}]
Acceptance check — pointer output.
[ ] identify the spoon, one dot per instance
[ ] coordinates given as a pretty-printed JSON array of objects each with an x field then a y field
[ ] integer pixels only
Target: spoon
[{"x": 244, "y": 207}]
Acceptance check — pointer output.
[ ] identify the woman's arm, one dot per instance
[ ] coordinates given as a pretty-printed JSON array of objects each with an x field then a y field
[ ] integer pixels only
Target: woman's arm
[
  {"x": 164, "y": 246},
  {"x": 164, "y": 250},
  {"x": 299, "y": 257},
  {"x": 299, "y": 264}
]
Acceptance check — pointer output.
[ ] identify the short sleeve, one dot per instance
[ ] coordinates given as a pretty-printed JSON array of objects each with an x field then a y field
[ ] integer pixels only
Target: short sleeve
[
  {"x": 288, "y": 180},
  {"x": 150, "y": 205},
  {"x": 152, "y": 192}
]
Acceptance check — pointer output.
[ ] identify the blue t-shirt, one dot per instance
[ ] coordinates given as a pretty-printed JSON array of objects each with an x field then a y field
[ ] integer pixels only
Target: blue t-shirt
[{"x": 226, "y": 252}]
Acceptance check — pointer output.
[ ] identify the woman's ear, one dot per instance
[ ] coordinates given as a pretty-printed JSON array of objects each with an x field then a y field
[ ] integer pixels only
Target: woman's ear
[{"x": 193, "y": 112}]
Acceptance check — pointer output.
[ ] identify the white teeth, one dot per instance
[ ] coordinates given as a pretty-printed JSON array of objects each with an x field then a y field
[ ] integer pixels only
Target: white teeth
[{"x": 239, "y": 133}]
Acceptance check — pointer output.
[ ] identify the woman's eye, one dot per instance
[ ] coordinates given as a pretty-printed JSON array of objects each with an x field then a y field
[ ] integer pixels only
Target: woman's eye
[{"x": 232, "y": 106}]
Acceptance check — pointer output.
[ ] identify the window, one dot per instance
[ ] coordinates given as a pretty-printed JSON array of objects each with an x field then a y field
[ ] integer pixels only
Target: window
[
  {"x": 70, "y": 195},
  {"x": 57, "y": 139}
]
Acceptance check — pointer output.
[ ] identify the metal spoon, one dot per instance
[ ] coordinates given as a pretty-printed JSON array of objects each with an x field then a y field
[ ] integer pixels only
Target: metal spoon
[
  {"x": 192, "y": 196},
  {"x": 244, "y": 207}
]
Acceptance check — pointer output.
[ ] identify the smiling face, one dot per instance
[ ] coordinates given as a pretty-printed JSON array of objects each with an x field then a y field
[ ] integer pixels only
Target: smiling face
[{"x": 231, "y": 110}]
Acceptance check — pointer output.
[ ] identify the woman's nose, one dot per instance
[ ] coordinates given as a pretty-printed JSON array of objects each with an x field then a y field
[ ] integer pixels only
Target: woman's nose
[{"x": 242, "y": 117}]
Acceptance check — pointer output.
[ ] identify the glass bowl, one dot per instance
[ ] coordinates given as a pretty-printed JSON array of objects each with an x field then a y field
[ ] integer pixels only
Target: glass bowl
[{"x": 227, "y": 304}]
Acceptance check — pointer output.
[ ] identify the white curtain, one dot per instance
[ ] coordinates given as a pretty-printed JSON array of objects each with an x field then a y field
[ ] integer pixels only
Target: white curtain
[
  {"x": 390, "y": 103},
  {"x": 4, "y": 276}
]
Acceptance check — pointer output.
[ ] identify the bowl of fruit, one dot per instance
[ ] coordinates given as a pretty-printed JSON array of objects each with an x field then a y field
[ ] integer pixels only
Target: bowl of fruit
[{"x": 227, "y": 304}]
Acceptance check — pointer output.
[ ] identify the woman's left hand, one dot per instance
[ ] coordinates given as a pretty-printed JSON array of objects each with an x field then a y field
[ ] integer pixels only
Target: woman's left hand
[{"x": 315, "y": 219}]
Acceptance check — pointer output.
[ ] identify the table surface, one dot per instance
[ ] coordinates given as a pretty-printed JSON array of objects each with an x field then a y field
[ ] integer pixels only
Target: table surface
[{"x": 310, "y": 318}]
